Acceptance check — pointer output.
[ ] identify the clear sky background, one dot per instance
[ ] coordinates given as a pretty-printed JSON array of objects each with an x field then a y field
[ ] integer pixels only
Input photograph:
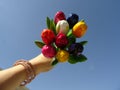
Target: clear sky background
[{"x": 21, "y": 22}]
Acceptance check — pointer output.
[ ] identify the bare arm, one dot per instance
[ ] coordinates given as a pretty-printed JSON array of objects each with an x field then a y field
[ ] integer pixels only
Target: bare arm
[{"x": 12, "y": 77}]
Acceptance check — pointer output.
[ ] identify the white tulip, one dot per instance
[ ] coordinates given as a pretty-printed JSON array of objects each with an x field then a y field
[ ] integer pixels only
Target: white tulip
[{"x": 62, "y": 26}]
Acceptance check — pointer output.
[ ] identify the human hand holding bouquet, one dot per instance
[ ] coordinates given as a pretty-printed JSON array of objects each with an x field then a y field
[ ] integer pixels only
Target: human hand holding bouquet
[{"x": 59, "y": 39}]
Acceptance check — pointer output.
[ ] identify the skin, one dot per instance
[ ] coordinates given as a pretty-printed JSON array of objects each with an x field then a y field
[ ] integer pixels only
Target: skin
[{"x": 17, "y": 74}]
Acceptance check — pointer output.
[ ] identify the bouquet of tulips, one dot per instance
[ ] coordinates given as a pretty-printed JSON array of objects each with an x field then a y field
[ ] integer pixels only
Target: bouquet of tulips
[{"x": 59, "y": 39}]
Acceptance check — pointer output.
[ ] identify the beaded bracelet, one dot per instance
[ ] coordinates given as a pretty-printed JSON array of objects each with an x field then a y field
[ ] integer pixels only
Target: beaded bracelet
[{"x": 30, "y": 72}]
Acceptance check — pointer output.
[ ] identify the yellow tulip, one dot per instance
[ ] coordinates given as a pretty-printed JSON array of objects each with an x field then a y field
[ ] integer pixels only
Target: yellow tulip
[
  {"x": 79, "y": 29},
  {"x": 62, "y": 56}
]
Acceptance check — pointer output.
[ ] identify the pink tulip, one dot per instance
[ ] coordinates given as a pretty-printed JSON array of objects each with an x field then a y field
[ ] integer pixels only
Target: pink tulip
[{"x": 48, "y": 51}]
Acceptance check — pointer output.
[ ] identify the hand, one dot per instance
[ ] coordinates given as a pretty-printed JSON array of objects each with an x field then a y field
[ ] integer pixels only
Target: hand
[{"x": 41, "y": 63}]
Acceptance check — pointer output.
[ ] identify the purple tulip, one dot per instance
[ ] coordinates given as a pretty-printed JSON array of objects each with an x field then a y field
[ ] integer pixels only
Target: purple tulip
[
  {"x": 72, "y": 19},
  {"x": 75, "y": 49}
]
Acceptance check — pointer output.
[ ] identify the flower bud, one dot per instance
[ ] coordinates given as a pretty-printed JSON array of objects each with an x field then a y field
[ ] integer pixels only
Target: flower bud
[
  {"x": 75, "y": 49},
  {"x": 72, "y": 19},
  {"x": 62, "y": 56},
  {"x": 48, "y": 51},
  {"x": 59, "y": 16},
  {"x": 79, "y": 29},
  {"x": 48, "y": 36},
  {"x": 62, "y": 26},
  {"x": 61, "y": 40}
]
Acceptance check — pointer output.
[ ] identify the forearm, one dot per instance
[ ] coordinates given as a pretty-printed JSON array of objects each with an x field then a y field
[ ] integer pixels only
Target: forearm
[{"x": 12, "y": 77}]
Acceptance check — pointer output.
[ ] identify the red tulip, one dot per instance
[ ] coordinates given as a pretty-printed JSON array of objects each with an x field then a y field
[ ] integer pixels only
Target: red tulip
[
  {"x": 61, "y": 40},
  {"x": 48, "y": 36},
  {"x": 48, "y": 51},
  {"x": 59, "y": 16}
]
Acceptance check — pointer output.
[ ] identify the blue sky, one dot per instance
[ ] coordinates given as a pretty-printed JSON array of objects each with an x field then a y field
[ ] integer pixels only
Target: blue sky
[{"x": 21, "y": 22}]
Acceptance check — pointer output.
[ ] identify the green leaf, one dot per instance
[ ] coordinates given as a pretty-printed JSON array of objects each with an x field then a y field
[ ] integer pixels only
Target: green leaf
[
  {"x": 72, "y": 40},
  {"x": 55, "y": 62},
  {"x": 82, "y": 20},
  {"x": 48, "y": 22},
  {"x": 69, "y": 34},
  {"x": 83, "y": 42},
  {"x": 72, "y": 59},
  {"x": 81, "y": 58},
  {"x": 52, "y": 26},
  {"x": 39, "y": 43}
]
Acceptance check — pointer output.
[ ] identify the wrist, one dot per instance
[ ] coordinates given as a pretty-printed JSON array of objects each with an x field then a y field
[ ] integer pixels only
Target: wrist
[{"x": 41, "y": 63}]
